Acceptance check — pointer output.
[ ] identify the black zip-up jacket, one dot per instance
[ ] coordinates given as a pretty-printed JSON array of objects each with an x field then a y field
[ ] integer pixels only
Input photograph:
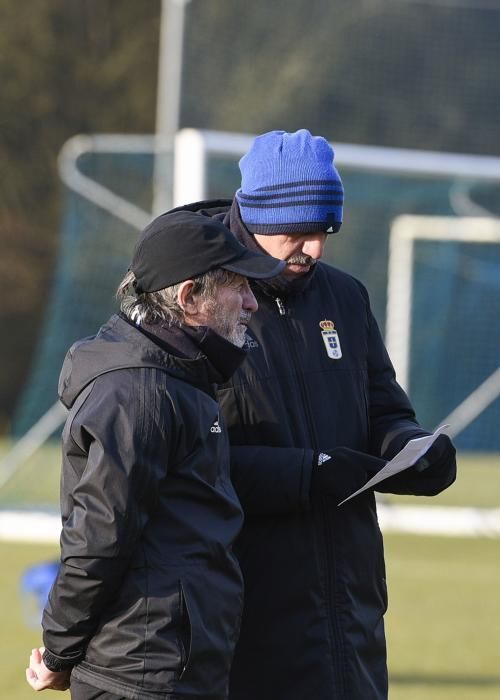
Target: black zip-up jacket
[
  {"x": 315, "y": 589},
  {"x": 148, "y": 599}
]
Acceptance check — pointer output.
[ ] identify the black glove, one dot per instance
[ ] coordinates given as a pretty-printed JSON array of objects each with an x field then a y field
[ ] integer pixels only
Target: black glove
[
  {"x": 439, "y": 463},
  {"x": 430, "y": 474},
  {"x": 341, "y": 471}
]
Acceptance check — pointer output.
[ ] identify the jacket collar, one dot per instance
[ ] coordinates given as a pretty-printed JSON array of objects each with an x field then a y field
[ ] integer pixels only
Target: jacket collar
[
  {"x": 218, "y": 357},
  {"x": 197, "y": 356}
]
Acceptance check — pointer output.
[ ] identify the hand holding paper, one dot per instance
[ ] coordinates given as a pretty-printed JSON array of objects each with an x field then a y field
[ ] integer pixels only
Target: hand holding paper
[{"x": 410, "y": 454}]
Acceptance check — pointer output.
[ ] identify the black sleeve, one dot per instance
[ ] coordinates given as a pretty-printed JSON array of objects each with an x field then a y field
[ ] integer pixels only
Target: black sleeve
[
  {"x": 271, "y": 480},
  {"x": 110, "y": 500}
]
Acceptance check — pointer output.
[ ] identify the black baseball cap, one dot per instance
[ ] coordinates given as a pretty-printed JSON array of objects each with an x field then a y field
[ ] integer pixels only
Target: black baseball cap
[{"x": 180, "y": 245}]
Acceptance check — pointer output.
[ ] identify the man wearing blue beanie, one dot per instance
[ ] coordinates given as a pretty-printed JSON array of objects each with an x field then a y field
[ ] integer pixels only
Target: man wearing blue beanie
[{"x": 313, "y": 413}]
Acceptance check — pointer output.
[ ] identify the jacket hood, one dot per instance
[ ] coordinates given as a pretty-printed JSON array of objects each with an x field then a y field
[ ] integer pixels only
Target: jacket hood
[
  {"x": 119, "y": 345},
  {"x": 208, "y": 207}
]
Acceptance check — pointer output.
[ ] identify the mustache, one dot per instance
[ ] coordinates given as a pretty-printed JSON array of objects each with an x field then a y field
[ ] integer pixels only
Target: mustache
[{"x": 301, "y": 259}]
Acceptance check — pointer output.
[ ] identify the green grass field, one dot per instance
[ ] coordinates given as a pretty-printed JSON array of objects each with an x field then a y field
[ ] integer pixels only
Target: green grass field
[
  {"x": 16, "y": 638},
  {"x": 442, "y": 624}
]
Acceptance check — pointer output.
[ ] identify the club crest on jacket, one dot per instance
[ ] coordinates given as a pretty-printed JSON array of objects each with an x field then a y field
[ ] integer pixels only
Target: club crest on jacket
[{"x": 331, "y": 339}]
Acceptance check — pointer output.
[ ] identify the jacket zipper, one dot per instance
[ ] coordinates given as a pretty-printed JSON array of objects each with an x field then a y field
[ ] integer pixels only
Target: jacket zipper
[
  {"x": 329, "y": 544},
  {"x": 305, "y": 402},
  {"x": 337, "y": 657},
  {"x": 281, "y": 306}
]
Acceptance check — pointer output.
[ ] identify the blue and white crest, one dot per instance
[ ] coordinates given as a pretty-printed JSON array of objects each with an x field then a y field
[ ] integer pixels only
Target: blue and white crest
[{"x": 331, "y": 339}]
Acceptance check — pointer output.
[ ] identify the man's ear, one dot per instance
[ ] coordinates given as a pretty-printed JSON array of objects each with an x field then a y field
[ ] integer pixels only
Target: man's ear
[{"x": 186, "y": 300}]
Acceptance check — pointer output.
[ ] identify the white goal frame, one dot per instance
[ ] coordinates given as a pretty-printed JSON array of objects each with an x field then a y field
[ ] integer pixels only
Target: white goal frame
[
  {"x": 405, "y": 231},
  {"x": 191, "y": 150},
  {"x": 192, "y": 147}
]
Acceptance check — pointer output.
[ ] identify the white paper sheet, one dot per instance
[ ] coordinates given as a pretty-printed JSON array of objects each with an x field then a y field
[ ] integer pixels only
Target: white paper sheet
[{"x": 411, "y": 452}]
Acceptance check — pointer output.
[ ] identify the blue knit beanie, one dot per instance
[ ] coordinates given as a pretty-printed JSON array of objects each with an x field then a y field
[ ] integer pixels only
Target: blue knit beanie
[{"x": 289, "y": 184}]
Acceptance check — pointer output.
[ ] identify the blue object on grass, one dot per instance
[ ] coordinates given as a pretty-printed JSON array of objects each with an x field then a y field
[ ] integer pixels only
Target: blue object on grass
[{"x": 35, "y": 586}]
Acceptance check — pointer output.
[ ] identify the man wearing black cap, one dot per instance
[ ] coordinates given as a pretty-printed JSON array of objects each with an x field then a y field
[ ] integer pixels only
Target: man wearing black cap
[
  {"x": 312, "y": 413},
  {"x": 148, "y": 598}
]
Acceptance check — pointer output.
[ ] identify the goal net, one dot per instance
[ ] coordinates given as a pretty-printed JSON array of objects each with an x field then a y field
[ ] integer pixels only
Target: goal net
[
  {"x": 109, "y": 188},
  {"x": 443, "y": 322}
]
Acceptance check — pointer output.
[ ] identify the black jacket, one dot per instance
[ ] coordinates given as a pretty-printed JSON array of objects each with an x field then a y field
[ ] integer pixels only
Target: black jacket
[
  {"x": 148, "y": 599},
  {"x": 315, "y": 589}
]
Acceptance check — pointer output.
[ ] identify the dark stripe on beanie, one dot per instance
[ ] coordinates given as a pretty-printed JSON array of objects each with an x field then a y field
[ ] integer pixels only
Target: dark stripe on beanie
[
  {"x": 301, "y": 183},
  {"x": 286, "y": 195},
  {"x": 295, "y": 203}
]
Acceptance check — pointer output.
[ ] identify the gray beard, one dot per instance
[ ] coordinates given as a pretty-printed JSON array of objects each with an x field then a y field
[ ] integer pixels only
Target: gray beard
[{"x": 235, "y": 334}]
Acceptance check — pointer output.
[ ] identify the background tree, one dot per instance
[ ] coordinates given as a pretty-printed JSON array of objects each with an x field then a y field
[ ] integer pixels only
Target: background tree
[
  {"x": 66, "y": 67},
  {"x": 415, "y": 74}
]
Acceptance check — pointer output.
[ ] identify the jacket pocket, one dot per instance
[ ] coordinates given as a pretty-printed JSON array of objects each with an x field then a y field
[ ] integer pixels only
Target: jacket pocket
[
  {"x": 167, "y": 639},
  {"x": 144, "y": 636},
  {"x": 185, "y": 633},
  {"x": 212, "y": 604}
]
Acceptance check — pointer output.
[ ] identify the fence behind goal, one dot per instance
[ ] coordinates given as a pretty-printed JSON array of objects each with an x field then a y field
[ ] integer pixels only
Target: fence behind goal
[{"x": 108, "y": 198}]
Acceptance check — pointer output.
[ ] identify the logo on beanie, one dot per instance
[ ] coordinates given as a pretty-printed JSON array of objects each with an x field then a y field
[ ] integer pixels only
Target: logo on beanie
[
  {"x": 331, "y": 339},
  {"x": 332, "y": 223}
]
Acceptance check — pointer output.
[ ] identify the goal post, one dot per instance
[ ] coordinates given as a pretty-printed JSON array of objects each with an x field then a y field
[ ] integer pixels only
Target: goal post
[
  {"x": 109, "y": 183},
  {"x": 194, "y": 173},
  {"x": 457, "y": 259}
]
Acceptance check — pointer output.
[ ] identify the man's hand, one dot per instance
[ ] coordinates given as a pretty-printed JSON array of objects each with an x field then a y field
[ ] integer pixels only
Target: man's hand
[
  {"x": 40, "y": 678},
  {"x": 341, "y": 471},
  {"x": 438, "y": 464}
]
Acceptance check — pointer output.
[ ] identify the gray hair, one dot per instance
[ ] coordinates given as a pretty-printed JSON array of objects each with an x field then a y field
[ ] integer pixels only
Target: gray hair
[{"x": 162, "y": 306}]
